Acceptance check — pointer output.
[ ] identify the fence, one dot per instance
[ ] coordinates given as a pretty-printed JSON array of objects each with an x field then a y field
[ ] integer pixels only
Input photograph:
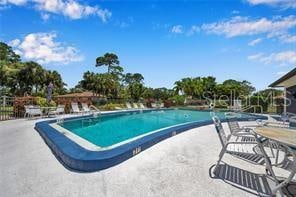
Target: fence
[
  {"x": 6, "y": 108},
  {"x": 13, "y": 107}
]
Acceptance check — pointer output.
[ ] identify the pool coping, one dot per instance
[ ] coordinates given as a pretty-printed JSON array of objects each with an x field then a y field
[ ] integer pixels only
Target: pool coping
[{"x": 75, "y": 157}]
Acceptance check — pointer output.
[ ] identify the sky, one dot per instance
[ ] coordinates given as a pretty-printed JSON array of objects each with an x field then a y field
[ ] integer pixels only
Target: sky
[{"x": 165, "y": 41}]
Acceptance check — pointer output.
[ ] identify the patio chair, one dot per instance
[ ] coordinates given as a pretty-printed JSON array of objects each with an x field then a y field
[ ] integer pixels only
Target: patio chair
[
  {"x": 161, "y": 105},
  {"x": 135, "y": 106},
  {"x": 252, "y": 152},
  {"x": 27, "y": 110},
  {"x": 128, "y": 105},
  {"x": 75, "y": 108},
  {"x": 59, "y": 110},
  {"x": 245, "y": 150},
  {"x": 153, "y": 105},
  {"x": 142, "y": 106},
  {"x": 33, "y": 110},
  {"x": 85, "y": 108},
  {"x": 238, "y": 131}
]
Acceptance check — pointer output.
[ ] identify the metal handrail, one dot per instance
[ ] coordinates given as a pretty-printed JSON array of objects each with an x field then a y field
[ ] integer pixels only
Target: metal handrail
[{"x": 253, "y": 107}]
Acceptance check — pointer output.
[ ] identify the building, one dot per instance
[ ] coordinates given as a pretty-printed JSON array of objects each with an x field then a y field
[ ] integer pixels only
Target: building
[{"x": 288, "y": 82}]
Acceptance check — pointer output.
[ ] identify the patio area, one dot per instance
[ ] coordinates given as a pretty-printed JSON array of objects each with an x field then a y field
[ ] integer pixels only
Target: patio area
[{"x": 178, "y": 166}]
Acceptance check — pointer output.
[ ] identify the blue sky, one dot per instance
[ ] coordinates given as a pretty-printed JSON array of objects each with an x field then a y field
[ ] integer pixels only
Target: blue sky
[{"x": 252, "y": 40}]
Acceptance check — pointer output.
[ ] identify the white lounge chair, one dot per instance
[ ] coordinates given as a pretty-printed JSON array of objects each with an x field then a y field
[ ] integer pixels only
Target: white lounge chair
[
  {"x": 153, "y": 105},
  {"x": 128, "y": 106},
  {"x": 75, "y": 108},
  {"x": 59, "y": 110},
  {"x": 85, "y": 108},
  {"x": 142, "y": 106},
  {"x": 27, "y": 110},
  {"x": 161, "y": 105},
  {"x": 33, "y": 110},
  {"x": 135, "y": 106}
]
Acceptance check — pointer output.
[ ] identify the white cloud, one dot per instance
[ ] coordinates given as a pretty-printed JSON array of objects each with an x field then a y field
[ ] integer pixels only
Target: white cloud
[
  {"x": 194, "y": 29},
  {"x": 43, "y": 48},
  {"x": 240, "y": 26},
  {"x": 281, "y": 3},
  {"x": 69, "y": 8},
  {"x": 282, "y": 58},
  {"x": 14, "y": 2},
  {"x": 287, "y": 38},
  {"x": 254, "y": 42},
  {"x": 235, "y": 12},
  {"x": 255, "y": 56},
  {"x": 45, "y": 16},
  {"x": 177, "y": 29},
  {"x": 14, "y": 43}
]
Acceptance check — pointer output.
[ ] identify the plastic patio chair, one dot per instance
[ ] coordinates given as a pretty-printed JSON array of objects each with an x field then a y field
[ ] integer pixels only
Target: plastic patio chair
[
  {"x": 128, "y": 105},
  {"x": 142, "y": 106},
  {"x": 75, "y": 108},
  {"x": 33, "y": 111},
  {"x": 59, "y": 110},
  {"x": 135, "y": 106},
  {"x": 85, "y": 108}
]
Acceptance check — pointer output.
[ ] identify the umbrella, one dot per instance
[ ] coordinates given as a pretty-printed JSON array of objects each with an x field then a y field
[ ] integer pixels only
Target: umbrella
[{"x": 49, "y": 92}]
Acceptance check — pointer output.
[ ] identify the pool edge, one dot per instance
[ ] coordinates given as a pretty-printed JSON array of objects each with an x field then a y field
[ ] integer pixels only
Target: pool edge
[{"x": 77, "y": 158}]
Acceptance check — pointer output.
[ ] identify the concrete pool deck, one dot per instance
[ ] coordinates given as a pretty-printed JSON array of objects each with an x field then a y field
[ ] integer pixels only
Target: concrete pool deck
[{"x": 178, "y": 166}]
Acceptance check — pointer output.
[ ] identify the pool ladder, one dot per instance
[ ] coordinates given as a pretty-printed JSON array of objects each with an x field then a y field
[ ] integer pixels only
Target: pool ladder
[{"x": 60, "y": 120}]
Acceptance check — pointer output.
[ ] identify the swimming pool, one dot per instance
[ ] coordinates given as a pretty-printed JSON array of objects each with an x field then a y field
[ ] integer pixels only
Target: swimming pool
[
  {"x": 109, "y": 130},
  {"x": 93, "y": 143}
]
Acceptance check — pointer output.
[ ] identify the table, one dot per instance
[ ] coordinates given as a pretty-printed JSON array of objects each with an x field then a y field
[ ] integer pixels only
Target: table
[{"x": 285, "y": 137}]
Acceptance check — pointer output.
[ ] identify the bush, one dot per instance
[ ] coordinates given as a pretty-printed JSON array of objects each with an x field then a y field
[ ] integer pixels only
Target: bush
[
  {"x": 178, "y": 99},
  {"x": 99, "y": 101},
  {"x": 42, "y": 102},
  {"x": 110, "y": 106}
]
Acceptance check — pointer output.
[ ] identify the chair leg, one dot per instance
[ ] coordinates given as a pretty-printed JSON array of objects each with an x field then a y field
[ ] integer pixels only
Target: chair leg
[
  {"x": 222, "y": 152},
  {"x": 271, "y": 149},
  {"x": 269, "y": 167}
]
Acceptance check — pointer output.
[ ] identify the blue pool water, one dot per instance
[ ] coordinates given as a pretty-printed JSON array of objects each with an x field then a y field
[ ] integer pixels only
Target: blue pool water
[{"x": 107, "y": 130}]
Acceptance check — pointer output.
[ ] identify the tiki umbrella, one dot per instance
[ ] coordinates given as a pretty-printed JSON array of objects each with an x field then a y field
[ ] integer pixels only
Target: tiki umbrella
[{"x": 49, "y": 92}]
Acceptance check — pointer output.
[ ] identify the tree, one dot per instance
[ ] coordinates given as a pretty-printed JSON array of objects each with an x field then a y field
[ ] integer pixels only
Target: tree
[
  {"x": 148, "y": 93},
  {"x": 162, "y": 93},
  {"x": 18, "y": 77},
  {"x": 7, "y": 54},
  {"x": 134, "y": 83},
  {"x": 103, "y": 84},
  {"x": 130, "y": 78},
  {"x": 136, "y": 90},
  {"x": 55, "y": 78},
  {"x": 110, "y": 60}
]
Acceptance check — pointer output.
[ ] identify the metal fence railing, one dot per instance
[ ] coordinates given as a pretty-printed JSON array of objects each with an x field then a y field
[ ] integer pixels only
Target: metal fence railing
[
  {"x": 6, "y": 108},
  {"x": 13, "y": 107}
]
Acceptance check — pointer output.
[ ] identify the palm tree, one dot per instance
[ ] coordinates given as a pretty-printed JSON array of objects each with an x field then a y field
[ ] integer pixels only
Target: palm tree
[{"x": 108, "y": 59}]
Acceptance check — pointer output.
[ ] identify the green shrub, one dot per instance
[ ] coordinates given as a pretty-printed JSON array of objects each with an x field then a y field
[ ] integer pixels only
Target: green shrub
[
  {"x": 42, "y": 102},
  {"x": 178, "y": 100},
  {"x": 110, "y": 106}
]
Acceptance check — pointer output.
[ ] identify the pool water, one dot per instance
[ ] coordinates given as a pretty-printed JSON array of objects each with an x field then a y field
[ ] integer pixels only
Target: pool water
[{"x": 107, "y": 130}]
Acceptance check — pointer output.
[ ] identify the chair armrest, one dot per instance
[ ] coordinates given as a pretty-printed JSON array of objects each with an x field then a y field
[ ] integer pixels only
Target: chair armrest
[{"x": 241, "y": 143}]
